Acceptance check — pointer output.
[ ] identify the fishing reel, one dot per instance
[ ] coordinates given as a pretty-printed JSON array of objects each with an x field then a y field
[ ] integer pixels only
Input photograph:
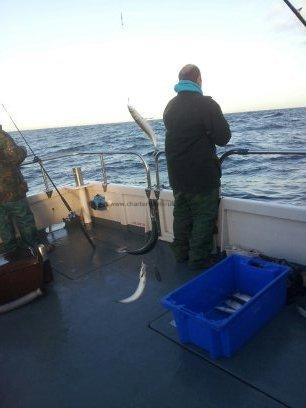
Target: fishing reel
[{"x": 73, "y": 222}]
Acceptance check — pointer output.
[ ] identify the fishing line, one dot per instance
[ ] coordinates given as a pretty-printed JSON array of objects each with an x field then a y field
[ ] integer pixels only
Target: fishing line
[
  {"x": 72, "y": 216},
  {"x": 125, "y": 53},
  {"x": 146, "y": 128}
]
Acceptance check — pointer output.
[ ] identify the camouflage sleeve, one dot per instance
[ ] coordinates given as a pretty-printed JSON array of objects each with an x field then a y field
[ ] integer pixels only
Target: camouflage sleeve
[{"x": 10, "y": 151}]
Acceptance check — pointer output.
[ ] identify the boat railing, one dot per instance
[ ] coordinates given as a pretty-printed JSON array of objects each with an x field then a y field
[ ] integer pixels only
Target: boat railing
[
  {"x": 103, "y": 167},
  {"x": 147, "y": 171}
]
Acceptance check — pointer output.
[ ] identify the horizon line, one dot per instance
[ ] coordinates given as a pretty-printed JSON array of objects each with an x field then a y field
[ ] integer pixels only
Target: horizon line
[{"x": 151, "y": 119}]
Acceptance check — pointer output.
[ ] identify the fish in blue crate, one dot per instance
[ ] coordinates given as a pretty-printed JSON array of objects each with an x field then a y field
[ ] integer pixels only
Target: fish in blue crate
[{"x": 233, "y": 303}]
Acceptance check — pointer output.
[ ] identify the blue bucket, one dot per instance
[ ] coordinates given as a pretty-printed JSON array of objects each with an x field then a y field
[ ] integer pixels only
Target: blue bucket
[{"x": 221, "y": 334}]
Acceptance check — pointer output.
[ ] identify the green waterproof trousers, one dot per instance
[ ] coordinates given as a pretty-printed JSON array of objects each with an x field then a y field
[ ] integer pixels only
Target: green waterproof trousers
[
  {"x": 20, "y": 212},
  {"x": 193, "y": 225}
]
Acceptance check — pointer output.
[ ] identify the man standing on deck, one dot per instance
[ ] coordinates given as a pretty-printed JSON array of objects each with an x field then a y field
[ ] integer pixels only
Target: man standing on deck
[
  {"x": 13, "y": 202},
  {"x": 194, "y": 126}
]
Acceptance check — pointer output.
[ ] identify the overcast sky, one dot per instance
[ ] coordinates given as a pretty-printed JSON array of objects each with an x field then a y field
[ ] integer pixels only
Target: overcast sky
[{"x": 70, "y": 62}]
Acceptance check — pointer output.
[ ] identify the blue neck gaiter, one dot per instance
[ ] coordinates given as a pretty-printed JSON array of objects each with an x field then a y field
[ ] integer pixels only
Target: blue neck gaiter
[{"x": 187, "y": 86}]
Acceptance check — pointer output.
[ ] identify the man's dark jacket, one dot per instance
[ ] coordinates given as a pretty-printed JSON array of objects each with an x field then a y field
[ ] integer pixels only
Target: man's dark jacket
[{"x": 194, "y": 125}]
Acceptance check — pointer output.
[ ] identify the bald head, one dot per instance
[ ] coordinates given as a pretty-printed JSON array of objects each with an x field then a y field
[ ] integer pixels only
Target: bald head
[{"x": 190, "y": 72}]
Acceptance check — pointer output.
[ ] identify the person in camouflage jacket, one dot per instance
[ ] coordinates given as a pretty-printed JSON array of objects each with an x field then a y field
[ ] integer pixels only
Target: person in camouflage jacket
[{"x": 13, "y": 203}]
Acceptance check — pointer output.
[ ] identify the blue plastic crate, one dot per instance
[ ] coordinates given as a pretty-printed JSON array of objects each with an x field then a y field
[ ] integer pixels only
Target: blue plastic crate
[{"x": 193, "y": 304}]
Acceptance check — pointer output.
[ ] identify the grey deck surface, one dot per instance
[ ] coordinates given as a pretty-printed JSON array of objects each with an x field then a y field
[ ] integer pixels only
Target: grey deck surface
[{"x": 78, "y": 347}]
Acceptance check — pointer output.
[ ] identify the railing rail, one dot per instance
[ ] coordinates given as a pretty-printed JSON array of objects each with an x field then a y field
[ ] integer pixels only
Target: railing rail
[
  {"x": 245, "y": 152},
  {"x": 241, "y": 152},
  {"x": 101, "y": 155}
]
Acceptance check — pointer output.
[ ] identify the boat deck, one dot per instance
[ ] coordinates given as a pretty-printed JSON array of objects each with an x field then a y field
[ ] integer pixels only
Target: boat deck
[{"x": 78, "y": 347}]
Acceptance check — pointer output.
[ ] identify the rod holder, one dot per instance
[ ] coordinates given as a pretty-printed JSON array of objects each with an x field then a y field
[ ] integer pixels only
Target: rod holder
[
  {"x": 78, "y": 176},
  {"x": 103, "y": 173}
]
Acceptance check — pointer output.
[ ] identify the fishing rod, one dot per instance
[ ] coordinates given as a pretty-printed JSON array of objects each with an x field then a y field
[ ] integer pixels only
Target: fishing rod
[
  {"x": 72, "y": 216},
  {"x": 18, "y": 130},
  {"x": 296, "y": 12}
]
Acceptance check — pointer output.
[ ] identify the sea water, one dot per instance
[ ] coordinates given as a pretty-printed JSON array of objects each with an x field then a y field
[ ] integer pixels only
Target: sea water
[{"x": 269, "y": 178}]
